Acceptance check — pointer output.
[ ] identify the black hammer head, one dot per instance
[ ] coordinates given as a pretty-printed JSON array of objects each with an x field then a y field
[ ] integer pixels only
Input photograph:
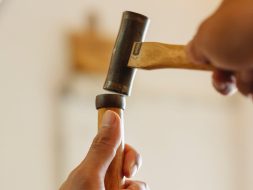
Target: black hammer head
[{"x": 132, "y": 29}]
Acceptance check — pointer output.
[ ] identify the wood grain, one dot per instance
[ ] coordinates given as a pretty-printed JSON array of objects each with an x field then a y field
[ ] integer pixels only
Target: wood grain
[
  {"x": 154, "y": 55},
  {"x": 114, "y": 177}
]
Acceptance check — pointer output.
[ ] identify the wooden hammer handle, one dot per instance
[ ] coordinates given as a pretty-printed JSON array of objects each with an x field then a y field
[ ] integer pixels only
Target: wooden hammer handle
[
  {"x": 154, "y": 55},
  {"x": 114, "y": 176}
]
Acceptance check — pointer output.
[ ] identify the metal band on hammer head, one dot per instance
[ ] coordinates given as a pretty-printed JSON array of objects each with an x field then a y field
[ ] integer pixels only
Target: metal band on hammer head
[{"x": 132, "y": 29}]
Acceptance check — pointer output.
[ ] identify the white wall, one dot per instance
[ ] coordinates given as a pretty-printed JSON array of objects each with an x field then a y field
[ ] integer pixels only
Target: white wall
[{"x": 190, "y": 144}]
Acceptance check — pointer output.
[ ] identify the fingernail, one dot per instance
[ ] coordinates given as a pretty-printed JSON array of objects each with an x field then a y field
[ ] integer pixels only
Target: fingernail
[
  {"x": 133, "y": 170},
  {"x": 108, "y": 119},
  {"x": 221, "y": 87},
  {"x": 225, "y": 88}
]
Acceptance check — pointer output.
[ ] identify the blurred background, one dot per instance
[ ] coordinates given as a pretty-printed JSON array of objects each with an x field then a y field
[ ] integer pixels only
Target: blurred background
[{"x": 53, "y": 60}]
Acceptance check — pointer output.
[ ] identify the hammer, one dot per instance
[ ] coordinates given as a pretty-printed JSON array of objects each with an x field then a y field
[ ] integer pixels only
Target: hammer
[{"x": 130, "y": 52}]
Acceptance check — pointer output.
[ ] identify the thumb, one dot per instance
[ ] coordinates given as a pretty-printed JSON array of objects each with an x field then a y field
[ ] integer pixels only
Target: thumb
[{"x": 104, "y": 145}]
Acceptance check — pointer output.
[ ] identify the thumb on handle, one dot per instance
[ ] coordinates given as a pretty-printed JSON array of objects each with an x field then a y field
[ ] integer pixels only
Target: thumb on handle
[{"x": 104, "y": 145}]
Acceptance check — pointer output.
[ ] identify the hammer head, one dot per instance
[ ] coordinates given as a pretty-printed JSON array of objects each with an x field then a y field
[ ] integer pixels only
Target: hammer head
[{"x": 132, "y": 29}]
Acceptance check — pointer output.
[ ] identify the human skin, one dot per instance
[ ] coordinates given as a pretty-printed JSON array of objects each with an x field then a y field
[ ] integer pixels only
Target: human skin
[
  {"x": 90, "y": 174},
  {"x": 225, "y": 40}
]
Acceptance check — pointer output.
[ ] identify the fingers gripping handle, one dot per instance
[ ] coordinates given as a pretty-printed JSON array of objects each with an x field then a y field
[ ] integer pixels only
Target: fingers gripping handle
[{"x": 114, "y": 177}]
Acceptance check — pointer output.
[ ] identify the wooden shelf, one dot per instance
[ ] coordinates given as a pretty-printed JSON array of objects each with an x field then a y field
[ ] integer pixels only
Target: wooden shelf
[{"x": 90, "y": 51}]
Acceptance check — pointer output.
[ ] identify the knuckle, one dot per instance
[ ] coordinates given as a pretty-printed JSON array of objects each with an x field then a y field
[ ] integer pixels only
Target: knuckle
[
  {"x": 103, "y": 142},
  {"x": 138, "y": 160}
]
